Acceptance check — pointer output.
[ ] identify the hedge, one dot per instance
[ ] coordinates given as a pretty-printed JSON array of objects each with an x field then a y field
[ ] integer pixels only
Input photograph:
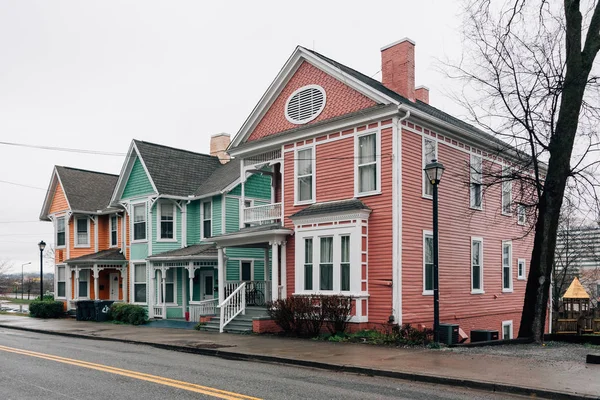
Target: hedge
[
  {"x": 128, "y": 313},
  {"x": 46, "y": 309}
]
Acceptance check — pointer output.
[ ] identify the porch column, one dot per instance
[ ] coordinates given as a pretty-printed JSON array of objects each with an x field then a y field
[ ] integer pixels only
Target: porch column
[
  {"x": 221, "y": 274},
  {"x": 163, "y": 278},
  {"x": 76, "y": 283},
  {"x": 266, "y": 274},
  {"x": 191, "y": 273},
  {"x": 275, "y": 271},
  {"x": 96, "y": 274},
  {"x": 68, "y": 291},
  {"x": 283, "y": 271},
  {"x": 151, "y": 294},
  {"x": 123, "y": 272}
]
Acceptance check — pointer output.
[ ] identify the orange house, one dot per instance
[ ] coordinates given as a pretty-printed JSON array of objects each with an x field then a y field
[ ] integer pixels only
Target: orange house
[{"x": 88, "y": 236}]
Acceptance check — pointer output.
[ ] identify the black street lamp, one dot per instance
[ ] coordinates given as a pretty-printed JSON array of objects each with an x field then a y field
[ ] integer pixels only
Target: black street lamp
[
  {"x": 42, "y": 246},
  {"x": 434, "y": 171}
]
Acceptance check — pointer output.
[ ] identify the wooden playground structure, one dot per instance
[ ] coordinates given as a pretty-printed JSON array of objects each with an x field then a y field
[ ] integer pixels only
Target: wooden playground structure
[{"x": 575, "y": 315}]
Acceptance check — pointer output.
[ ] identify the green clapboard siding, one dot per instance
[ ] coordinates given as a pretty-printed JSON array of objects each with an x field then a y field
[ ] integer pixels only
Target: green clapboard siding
[
  {"x": 159, "y": 246},
  {"x": 193, "y": 223},
  {"x": 257, "y": 187},
  {"x": 138, "y": 182},
  {"x": 139, "y": 251},
  {"x": 232, "y": 270},
  {"x": 217, "y": 215},
  {"x": 232, "y": 214}
]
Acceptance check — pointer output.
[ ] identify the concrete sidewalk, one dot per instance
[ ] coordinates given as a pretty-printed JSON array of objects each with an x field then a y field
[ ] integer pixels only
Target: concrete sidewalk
[{"x": 564, "y": 380}]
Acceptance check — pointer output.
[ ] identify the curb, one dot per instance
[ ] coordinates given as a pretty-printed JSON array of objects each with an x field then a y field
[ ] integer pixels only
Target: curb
[{"x": 415, "y": 377}]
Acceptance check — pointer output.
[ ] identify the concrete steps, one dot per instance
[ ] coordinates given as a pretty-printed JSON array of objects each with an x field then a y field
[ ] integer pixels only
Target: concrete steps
[{"x": 240, "y": 324}]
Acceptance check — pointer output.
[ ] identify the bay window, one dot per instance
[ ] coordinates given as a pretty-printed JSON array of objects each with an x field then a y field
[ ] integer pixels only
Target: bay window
[
  {"x": 308, "y": 264},
  {"x": 326, "y": 264}
]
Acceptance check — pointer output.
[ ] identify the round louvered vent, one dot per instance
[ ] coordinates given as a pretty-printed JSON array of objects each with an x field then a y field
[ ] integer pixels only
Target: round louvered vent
[{"x": 305, "y": 104}]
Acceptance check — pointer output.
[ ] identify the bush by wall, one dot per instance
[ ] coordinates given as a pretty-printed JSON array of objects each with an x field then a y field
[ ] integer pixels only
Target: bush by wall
[
  {"x": 46, "y": 309},
  {"x": 128, "y": 313},
  {"x": 47, "y": 297}
]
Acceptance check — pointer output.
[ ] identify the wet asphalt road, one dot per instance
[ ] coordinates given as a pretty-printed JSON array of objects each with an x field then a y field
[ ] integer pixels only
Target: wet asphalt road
[{"x": 30, "y": 368}]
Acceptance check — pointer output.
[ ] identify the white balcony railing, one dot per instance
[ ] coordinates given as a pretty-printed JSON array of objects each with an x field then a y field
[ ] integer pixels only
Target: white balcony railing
[{"x": 262, "y": 214}]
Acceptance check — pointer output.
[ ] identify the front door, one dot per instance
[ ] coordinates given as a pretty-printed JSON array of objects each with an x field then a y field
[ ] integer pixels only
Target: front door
[
  {"x": 207, "y": 285},
  {"x": 114, "y": 286}
]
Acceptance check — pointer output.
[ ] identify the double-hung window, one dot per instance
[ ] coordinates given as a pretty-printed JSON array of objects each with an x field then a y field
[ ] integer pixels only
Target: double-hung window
[
  {"x": 345, "y": 263},
  {"x": 139, "y": 222},
  {"x": 61, "y": 284},
  {"x": 427, "y": 263},
  {"x": 521, "y": 269},
  {"x": 476, "y": 180},
  {"x": 207, "y": 219},
  {"x": 506, "y": 191},
  {"x": 521, "y": 214},
  {"x": 60, "y": 232},
  {"x": 139, "y": 283},
  {"x": 507, "y": 285},
  {"x": 367, "y": 167},
  {"x": 305, "y": 175},
  {"x": 476, "y": 265},
  {"x": 167, "y": 221},
  {"x": 84, "y": 276},
  {"x": 429, "y": 154},
  {"x": 82, "y": 234},
  {"x": 507, "y": 330},
  {"x": 308, "y": 264},
  {"x": 168, "y": 296},
  {"x": 114, "y": 228},
  {"x": 326, "y": 264}
]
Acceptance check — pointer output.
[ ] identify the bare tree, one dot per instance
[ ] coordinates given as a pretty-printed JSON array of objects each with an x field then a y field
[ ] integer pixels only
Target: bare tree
[
  {"x": 5, "y": 282},
  {"x": 529, "y": 79}
]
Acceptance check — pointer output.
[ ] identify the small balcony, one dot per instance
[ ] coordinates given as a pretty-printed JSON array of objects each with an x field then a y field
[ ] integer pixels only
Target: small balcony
[{"x": 263, "y": 214}]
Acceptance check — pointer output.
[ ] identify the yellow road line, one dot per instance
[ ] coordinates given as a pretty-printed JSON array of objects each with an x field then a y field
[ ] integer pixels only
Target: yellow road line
[{"x": 192, "y": 387}]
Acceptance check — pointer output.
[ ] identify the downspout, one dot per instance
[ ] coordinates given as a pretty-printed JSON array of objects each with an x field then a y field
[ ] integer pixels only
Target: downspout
[{"x": 397, "y": 215}]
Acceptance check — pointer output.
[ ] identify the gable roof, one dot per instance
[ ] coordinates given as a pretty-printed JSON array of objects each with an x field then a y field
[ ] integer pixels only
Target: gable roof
[
  {"x": 576, "y": 291},
  {"x": 223, "y": 177},
  {"x": 368, "y": 86},
  {"x": 86, "y": 191},
  {"x": 110, "y": 255}
]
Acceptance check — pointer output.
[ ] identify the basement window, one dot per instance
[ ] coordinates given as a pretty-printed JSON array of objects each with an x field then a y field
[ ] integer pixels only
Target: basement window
[{"x": 305, "y": 104}]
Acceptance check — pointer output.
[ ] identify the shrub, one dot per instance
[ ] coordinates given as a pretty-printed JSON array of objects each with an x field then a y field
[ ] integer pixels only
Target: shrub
[
  {"x": 46, "y": 309},
  {"x": 47, "y": 297},
  {"x": 284, "y": 313},
  {"x": 128, "y": 313},
  {"x": 337, "y": 310},
  {"x": 406, "y": 334}
]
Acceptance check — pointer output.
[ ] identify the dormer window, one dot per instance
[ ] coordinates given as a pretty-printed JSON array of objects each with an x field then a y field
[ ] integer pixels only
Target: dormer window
[{"x": 305, "y": 104}]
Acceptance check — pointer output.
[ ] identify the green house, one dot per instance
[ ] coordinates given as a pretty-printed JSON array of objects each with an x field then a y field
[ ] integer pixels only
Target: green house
[{"x": 176, "y": 201}]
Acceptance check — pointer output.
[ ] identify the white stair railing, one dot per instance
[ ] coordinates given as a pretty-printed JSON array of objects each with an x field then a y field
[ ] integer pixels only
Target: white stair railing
[
  {"x": 202, "y": 308},
  {"x": 233, "y": 305}
]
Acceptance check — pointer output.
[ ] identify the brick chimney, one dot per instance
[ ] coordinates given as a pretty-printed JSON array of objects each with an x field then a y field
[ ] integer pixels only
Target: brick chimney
[
  {"x": 422, "y": 93},
  {"x": 218, "y": 145},
  {"x": 398, "y": 67}
]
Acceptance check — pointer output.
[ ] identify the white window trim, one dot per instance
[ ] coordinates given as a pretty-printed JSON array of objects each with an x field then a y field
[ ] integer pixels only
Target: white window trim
[
  {"x": 212, "y": 213},
  {"x": 64, "y": 218},
  {"x": 312, "y": 117},
  {"x": 521, "y": 277},
  {"x": 423, "y": 178},
  {"x": 314, "y": 175},
  {"x": 471, "y": 182},
  {"x": 425, "y": 234},
  {"x": 510, "y": 273},
  {"x": 251, "y": 268},
  {"x": 521, "y": 213},
  {"x": 110, "y": 230},
  {"x": 77, "y": 244},
  {"x": 377, "y": 190},
  {"x": 133, "y": 282},
  {"x": 132, "y": 222},
  {"x": 160, "y": 288},
  {"x": 507, "y": 323},
  {"x": 480, "y": 240},
  {"x": 89, "y": 274},
  {"x": 158, "y": 223},
  {"x": 57, "y": 281},
  {"x": 336, "y": 231},
  {"x": 506, "y": 172}
]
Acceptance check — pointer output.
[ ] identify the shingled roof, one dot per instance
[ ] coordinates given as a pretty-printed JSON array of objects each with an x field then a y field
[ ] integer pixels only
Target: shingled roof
[
  {"x": 331, "y": 207},
  {"x": 189, "y": 252},
  {"x": 87, "y": 190},
  {"x": 106, "y": 256},
  {"x": 222, "y": 177},
  {"x": 176, "y": 172}
]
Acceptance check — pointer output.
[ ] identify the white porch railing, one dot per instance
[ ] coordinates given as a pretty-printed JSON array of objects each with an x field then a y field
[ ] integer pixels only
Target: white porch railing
[
  {"x": 202, "y": 308},
  {"x": 233, "y": 305},
  {"x": 262, "y": 214},
  {"x": 157, "y": 312}
]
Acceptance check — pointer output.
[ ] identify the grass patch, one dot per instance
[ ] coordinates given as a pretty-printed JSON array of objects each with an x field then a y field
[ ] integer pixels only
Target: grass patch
[
  {"x": 12, "y": 313},
  {"x": 16, "y": 301}
]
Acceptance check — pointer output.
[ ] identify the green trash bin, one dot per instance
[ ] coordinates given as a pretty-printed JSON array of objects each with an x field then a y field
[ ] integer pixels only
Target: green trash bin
[
  {"x": 84, "y": 310},
  {"x": 102, "y": 310}
]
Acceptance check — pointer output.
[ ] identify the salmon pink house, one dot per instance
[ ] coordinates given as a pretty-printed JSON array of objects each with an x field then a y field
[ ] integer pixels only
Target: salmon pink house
[{"x": 350, "y": 210}]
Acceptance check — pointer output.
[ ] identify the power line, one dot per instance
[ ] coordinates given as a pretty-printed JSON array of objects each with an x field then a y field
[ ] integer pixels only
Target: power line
[
  {"x": 66, "y": 149},
  {"x": 20, "y": 184}
]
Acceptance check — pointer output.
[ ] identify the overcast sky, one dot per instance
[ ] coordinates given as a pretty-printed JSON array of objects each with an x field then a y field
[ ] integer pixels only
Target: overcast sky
[{"x": 96, "y": 74}]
